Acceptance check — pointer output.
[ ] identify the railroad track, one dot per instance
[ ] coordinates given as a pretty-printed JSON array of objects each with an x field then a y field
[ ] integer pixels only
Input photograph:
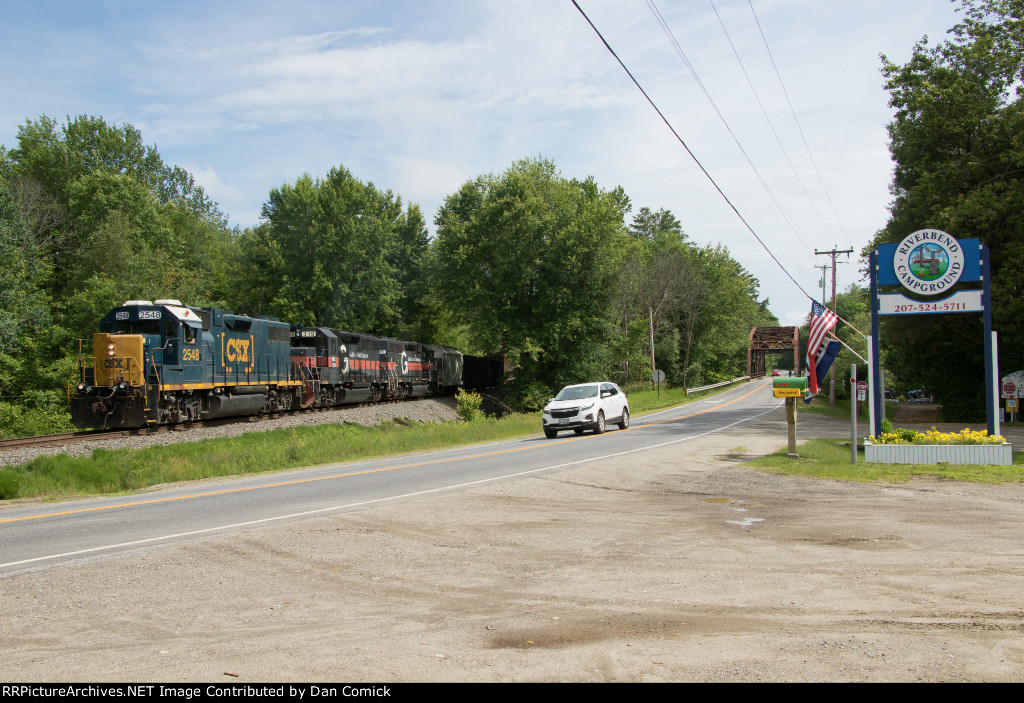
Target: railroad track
[
  {"x": 66, "y": 438},
  {"x": 56, "y": 440}
]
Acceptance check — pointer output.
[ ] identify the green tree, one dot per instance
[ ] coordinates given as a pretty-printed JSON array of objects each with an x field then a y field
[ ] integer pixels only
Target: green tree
[
  {"x": 723, "y": 316},
  {"x": 956, "y": 141},
  {"x": 659, "y": 284},
  {"x": 90, "y": 216},
  {"x": 336, "y": 252},
  {"x": 23, "y": 304},
  {"x": 649, "y": 225},
  {"x": 528, "y": 258},
  {"x": 71, "y": 177}
]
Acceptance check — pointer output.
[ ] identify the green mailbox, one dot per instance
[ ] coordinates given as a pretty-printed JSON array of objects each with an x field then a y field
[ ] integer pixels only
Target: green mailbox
[{"x": 792, "y": 387}]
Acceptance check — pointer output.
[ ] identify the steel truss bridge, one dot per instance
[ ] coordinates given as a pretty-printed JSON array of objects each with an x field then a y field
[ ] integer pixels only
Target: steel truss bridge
[{"x": 772, "y": 340}]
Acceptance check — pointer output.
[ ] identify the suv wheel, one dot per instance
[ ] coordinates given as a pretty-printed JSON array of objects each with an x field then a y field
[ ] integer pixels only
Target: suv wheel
[
  {"x": 624, "y": 422},
  {"x": 550, "y": 434},
  {"x": 599, "y": 427}
]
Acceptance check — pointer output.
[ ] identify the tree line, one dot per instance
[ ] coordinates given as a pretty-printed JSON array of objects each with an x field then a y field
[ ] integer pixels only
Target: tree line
[
  {"x": 957, "y": 141},
  {"x": 551, "y": 272}
]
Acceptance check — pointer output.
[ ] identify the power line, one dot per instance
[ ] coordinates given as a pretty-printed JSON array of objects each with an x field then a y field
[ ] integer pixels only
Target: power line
[
  {"x": 799, "y": 128},
  {"x": 790, "y": 221},
  {"x": 771, "y": 126},
  {"x": 688, "y": 150}
]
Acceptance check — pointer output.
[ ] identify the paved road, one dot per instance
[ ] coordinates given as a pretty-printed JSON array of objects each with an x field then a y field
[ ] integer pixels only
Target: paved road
[{"x": 43, "y": 535}]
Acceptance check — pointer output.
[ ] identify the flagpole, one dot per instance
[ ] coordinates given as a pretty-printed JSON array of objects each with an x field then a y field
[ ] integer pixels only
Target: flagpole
[
  {"x": 848, "y": 347},
  {"x": 841, "y": 319}
]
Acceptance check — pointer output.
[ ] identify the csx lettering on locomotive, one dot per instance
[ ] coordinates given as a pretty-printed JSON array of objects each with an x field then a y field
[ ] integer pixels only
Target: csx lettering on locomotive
[{"x": 237, "y": 350}]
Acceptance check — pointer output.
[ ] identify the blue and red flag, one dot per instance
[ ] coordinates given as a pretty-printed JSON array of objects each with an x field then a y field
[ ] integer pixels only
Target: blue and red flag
[{"x": 820, "y": 354}]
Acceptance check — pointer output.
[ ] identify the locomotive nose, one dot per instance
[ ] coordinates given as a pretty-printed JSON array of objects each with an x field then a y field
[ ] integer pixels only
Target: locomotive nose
[{"x": 100, "y": 409}]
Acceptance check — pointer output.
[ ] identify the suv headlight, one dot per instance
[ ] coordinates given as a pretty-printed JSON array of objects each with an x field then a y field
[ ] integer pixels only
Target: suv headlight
[{"x": 584, "y": 408}]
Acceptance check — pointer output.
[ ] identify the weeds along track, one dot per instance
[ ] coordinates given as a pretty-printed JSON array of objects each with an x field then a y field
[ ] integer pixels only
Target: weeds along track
[{"x": 20, "y": 450}]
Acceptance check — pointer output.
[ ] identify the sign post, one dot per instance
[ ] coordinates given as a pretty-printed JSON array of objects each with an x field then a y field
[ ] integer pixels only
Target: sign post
[
  {"x": 658, "y": 376},
  {"x": 790, "y": 389},
  {"x": 929, "y": 263},
  {"x": 853, "y": 412}
]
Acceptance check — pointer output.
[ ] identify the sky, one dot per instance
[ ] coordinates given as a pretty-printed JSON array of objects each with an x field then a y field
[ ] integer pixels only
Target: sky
[{"x": 420, "y": 96}]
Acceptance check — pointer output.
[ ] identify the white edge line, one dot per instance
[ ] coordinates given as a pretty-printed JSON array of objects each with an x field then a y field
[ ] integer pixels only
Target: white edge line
[{"x": 291, "y": 516}]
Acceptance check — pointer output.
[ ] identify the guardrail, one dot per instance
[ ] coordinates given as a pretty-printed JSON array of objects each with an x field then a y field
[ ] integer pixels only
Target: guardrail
[{"x": 717, "y": 385}]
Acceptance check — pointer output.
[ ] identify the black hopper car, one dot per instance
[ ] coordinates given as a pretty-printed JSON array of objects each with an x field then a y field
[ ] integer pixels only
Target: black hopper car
[{"x": 163, "y": 362}]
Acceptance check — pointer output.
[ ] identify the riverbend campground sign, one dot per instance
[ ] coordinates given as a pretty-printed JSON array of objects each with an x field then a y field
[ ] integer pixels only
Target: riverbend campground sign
[
  {"x": 929, "y": 263},
  {"x": 932, "y": 266}
]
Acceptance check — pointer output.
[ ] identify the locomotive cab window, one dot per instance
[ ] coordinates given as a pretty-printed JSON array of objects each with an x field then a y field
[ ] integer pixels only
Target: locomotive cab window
[{"x": 143, "y": 327}]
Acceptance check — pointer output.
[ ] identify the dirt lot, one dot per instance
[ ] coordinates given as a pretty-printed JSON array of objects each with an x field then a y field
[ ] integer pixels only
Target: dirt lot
[{"x": 680, "y": 565}]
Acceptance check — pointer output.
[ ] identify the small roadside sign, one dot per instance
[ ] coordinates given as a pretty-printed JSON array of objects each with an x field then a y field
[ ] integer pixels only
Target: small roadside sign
[
  {"x": 788, "y": 393},
  {"x": 862, "y": 390}
]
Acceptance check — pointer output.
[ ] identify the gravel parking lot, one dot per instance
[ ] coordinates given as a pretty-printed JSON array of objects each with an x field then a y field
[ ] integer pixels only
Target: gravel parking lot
[{"x": 680, "y": 565}]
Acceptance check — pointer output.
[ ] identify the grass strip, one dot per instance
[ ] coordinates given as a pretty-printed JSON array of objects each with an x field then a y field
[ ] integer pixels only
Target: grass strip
[
  {"x": 829, "y": 458},
  {"x": 820, "y": 406},
  {"x": 112, "y": 471},
  {"x": 121, "y": 470}
]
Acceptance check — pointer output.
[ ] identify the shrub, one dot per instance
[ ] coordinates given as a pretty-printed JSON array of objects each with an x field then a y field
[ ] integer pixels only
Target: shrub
[
  {"x": 8, "y": 484},
  {"x": 468, "y": 405},
  {"x": 533, "y": 397}
]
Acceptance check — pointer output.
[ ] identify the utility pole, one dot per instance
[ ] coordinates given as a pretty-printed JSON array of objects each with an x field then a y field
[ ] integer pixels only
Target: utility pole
[
  {"x": 833, "y": 254},
  {"x": 650, "y": 313}
]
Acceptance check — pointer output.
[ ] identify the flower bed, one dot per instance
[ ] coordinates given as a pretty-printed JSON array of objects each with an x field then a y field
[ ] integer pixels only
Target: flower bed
[{"x": 934, "y": 447}]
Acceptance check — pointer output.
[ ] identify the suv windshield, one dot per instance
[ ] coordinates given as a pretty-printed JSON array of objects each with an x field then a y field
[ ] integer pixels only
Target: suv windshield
[{"x": 577, "y": 393}]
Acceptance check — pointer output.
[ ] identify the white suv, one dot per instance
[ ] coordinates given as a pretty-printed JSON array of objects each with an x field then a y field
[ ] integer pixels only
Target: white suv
[{"x": 587, "y": 406}]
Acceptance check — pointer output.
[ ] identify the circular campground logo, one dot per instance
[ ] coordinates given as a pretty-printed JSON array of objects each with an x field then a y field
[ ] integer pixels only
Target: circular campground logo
[{"x": 929, "y": 262}]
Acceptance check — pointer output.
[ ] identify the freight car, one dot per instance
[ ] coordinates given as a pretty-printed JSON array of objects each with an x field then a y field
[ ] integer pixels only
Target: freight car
[{"x": 163, "y": 362}]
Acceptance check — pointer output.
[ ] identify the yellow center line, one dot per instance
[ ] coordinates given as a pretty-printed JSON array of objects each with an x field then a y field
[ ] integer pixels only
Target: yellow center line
[{"x": 363, "y": 473}]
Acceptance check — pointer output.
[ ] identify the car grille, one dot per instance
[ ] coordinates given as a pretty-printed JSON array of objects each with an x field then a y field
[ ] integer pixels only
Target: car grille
[{"x": 565, "y": 412}]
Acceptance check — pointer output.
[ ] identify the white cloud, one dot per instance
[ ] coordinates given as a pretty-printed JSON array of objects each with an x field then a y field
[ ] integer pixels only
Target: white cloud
[
  {"x": 214, "y": 185},
  {"x": 419, "y": 97}
]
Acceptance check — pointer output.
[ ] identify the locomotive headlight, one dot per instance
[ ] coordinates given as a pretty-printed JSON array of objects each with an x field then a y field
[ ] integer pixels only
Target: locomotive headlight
[
  {"x": 81, "y": 387},
  {"x": 110, "y": 347},
  {"x": 122, "y": 385}
]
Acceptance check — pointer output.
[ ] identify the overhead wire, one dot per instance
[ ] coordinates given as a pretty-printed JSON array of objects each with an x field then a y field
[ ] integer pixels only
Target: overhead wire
[
  {"x": 790, "y": 221},
  {"x": 768, "y": 119},
  {"x": 689, "y": 151},
  {"x": 800, "y": 129}
]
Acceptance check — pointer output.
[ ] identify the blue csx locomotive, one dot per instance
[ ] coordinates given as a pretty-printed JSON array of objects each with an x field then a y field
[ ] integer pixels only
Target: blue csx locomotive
[{"x": 163, "y": 362}]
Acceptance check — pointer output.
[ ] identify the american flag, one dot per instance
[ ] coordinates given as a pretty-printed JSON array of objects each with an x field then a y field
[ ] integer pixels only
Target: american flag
[{"x": 822, "y": 320}]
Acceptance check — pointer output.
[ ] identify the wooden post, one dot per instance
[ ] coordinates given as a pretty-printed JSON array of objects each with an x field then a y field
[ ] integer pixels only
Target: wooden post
[
  {"x": 791, "y": 422},
  {"x": 650, "y": 313}
]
